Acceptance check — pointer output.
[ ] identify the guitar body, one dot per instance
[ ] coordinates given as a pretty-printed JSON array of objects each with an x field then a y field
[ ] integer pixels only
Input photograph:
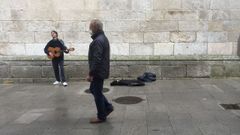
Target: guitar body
[{"x": 56, "y": 52}]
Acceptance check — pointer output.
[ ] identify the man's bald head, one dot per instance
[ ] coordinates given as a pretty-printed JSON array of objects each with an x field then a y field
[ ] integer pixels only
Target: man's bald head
[{"x": 96, "y": 26}]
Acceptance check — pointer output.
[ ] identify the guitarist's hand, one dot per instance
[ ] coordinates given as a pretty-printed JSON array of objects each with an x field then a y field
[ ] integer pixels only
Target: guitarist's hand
[
  {"x": 50, "y": 54},
  {"x": 89, "y": 78}
]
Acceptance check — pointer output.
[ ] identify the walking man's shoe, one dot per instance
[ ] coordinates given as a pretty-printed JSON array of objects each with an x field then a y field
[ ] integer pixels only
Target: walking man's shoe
[{"x": 96, "y": 121}]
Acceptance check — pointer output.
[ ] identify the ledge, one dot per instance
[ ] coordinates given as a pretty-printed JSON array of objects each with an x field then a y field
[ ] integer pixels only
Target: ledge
[{"x": 131, "y": 58}]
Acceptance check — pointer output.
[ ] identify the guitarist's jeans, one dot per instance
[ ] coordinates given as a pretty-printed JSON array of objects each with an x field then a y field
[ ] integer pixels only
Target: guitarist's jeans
[
  {"x": 58, "y": 70},
  {"x": 102, "y": 104}
]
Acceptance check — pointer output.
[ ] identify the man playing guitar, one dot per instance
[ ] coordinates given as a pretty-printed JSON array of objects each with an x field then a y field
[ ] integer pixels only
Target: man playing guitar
[{"x": 55, "y": 50}]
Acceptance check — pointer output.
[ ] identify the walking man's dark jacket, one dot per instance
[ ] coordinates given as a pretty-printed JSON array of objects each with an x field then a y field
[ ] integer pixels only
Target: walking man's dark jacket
[{"x": 99, "y": 56}]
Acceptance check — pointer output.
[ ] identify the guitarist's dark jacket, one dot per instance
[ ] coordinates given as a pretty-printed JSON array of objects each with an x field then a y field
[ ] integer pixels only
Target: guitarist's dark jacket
[
  {"x": 99, "y": 56},
  {"x": 56, "y": 43}
]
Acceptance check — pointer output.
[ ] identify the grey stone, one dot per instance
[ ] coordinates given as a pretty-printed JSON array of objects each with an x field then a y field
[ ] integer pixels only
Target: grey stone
[
  {"x": 173, "y": 72},
  {"x": 25, "y": 72}
]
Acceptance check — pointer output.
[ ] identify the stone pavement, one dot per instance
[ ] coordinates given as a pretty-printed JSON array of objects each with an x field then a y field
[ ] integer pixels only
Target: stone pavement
[{"x": 170, "y": 107}]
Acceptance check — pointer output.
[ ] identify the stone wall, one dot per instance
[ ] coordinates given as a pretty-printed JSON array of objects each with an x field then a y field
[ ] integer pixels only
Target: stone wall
[{"x": 135, "y": 28}]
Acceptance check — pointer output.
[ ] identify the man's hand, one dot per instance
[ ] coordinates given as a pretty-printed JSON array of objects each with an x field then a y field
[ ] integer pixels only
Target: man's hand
[
  {"x": 50, "y": 54},
  {"x": 89, "y": 78}
]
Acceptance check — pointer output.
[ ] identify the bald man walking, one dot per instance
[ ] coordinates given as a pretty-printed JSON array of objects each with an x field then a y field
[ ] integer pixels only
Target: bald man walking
[{"x": 99, "y": 60}]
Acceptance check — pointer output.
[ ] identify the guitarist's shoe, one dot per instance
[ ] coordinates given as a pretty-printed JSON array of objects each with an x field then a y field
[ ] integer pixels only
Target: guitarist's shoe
[
  {"x": 65, "y": 84},
  {"x": 56, "y": 83}
]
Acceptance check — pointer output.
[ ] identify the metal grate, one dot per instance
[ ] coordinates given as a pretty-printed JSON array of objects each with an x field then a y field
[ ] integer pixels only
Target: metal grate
[
  {"x": 104, "y": 90},
  {"x": 230, "y": 106},
  {"x": 128, "y": 100}
]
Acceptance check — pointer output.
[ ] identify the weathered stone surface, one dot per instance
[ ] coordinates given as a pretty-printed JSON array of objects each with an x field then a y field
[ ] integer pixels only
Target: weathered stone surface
[
  {"x": 173, "y": 72},
  {"x": 190, "y": 49},
  {"x": 162, "y": 26},
  {"x": 136, "y": 70},
  {"x": 215, "y": 26},
  {"x": 4, "y": 71},
  {"x": 119, "y": 71},
  {"x": 232, "y": 70},
  {"x": 223, "y": 4},
  {"x": 220, "y": 48},
  {"x": 79, "y": 71},
  {"x": 120, "y": 49},
  {"x": 10, "y": 49},
  {"x": 182, "y": 37},
  {"x": 196, "y": 4},
  {"x": 25, "y": 71},
  {"x": 217, "y": 71},
  {"x": 133, "y": 37},
  {"x": 192, "y": 25},
  {"x": 217, "y": 37},
  {"x": 159, "y": 37},
  {"x": 47, "y": 72},
  {"x": 34, "y": 49},
  {"x": 166, "y": 4},
  {"x": 163, "y": 48},
  {"x": 141, "y": 49},
  {"x": 21, "y": 37},
  {"x": 200, "y": 70}
]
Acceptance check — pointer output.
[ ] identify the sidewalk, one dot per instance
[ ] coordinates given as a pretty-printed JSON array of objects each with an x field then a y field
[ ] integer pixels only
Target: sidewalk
[{"x": 169, "y": 107}]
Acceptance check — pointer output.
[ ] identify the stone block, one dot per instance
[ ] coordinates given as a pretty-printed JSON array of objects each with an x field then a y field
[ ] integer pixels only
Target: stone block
[
  {"x": 166, "y": 4},
  {"x": 199, "y": 70},
  {"x": 196, "y": 4},
  {"x": 140, "y": 5},
  {"x": 217, "y": 37},
  {"x": 233, "y": 36},
  {"x": 232, "y": 70},
  {"x": 10, "y": 49},
  {"x": 3, "y": 37},
  {"x": 163, "y": 48},
  {"x": 220, "y": 4},
  {"x": 80, "y": 49},
  {"x": 220, "y": 48},
  {"x": 136, "y": 70},
  {"x": 119, "y": 71},
  {"x": 14, "y": 26},
  {"x": 4, "y": 71},
  {"x": 25, "y": 72},
  {"x": 35, "y": 49},
  {"x": 109, "y": 5},
  {"x": 21, "y": 37},
  {"x": 159, "y": 37},
  {"x": 219, "y": 15},
  {"x": 44, "y": 37},
  {"x": 159, "y": 26},
  {"x": 67, "y": 26},
  {"x": 182, "y": 37},
  {"x": 190, "y": 49},
  {"x": 76, "y": 71},
  {"x": 120, "y": 49},
  {"x": 202, "y": 37},
  {"x": 133, "y": 37},
  {"x": 47, "y": 72},
  {"x": 235, "y": 14},
  {"x": 173, "y": 72},
  {"x": 231, "y": 25},
  {"x": 141, "y": 49},
  {"x": 193, "y": 26},
  {"x": 217, "y": 71},
  {"x": 73, "y": 36},
  {"x": 215, "y": 26},
  {"x": 234, "y": 4},
  {"x": 5, "y": 14},
  {"x": 115, "y": 37},
  {"x": 122, "y": 26},
  {"x": 45, "y": 26}
]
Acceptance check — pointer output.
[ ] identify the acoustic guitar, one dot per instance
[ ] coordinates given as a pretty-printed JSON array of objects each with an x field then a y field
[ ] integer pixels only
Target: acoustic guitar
[{"x": 56, "y": 52}]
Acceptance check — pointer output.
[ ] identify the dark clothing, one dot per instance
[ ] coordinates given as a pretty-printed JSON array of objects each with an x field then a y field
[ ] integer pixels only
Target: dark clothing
[
  {"x": 56, "y": 43},
  {"x": 57, "y": 63},
  {"x": 102, "y": 104},
  {"x": 99, "y": 56},
  {"x": 58, "y": 67},
  {"x": 99, "y": 60}
]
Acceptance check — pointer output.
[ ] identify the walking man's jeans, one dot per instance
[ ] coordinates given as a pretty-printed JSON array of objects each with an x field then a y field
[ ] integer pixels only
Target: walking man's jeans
[
  {"x": 102, "y": 104},
  {"x": 58, "y": 70}
]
